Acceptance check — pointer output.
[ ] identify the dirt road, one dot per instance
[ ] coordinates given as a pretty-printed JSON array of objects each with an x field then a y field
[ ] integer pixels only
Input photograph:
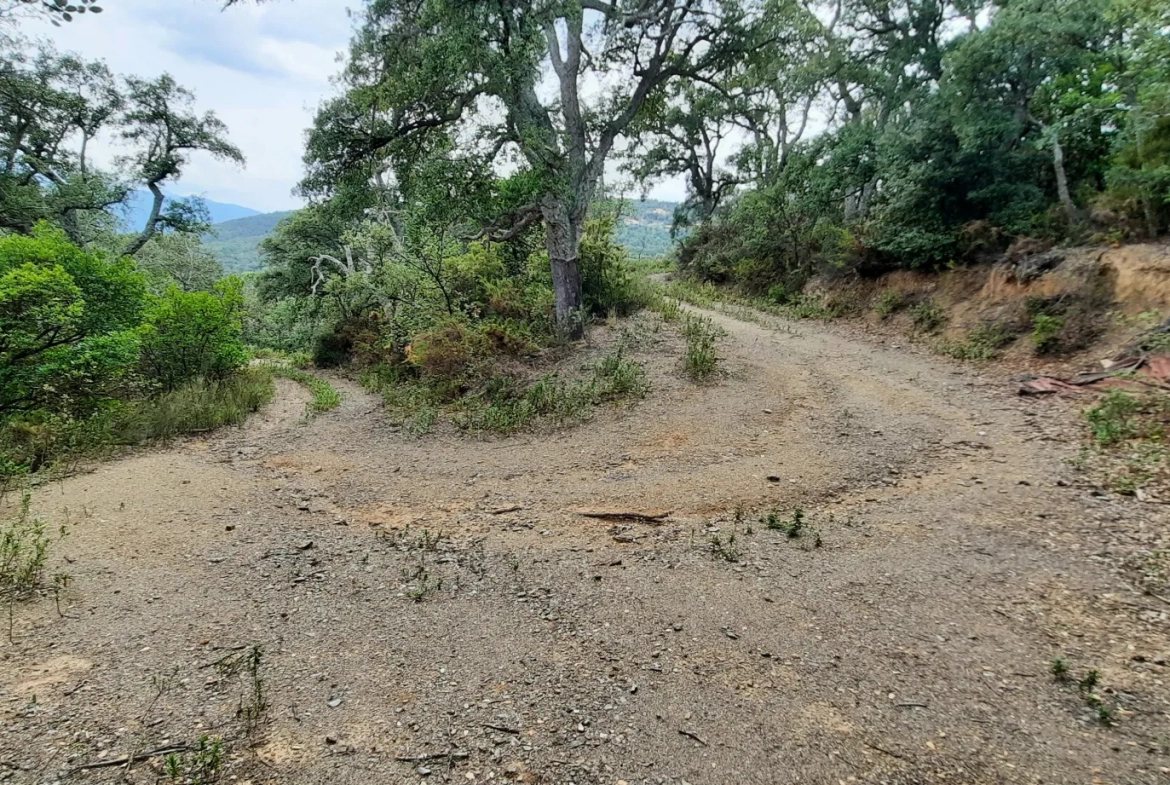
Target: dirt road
[{"x": 958, "y": 557}]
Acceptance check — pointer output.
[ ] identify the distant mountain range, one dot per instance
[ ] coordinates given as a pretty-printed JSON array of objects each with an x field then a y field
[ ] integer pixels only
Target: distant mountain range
[
  {"x": 644, "y": 229},
  {"x": 137, "y": 209}
]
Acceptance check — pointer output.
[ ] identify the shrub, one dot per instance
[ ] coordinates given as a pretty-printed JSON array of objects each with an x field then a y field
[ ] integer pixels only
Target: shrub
[
  {"x": 66, "y": 324},
  {"x": 1045, "y": 332},
  {"x": 449, "y": 351},
  {"x": 928, "y": 317},
  {"x": 983, "y": 343},
  {"x": 889, "y": 303},
  {"x": 24, "y": 549},
  {"x": 1115, "y": 418},
  {"x": 606, "y": 284},
  {"x": 194, "y": 335},
  {"x": 331, "y": 350}
]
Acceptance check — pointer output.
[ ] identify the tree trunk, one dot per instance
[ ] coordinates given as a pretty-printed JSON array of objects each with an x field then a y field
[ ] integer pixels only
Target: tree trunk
[
  {"x": 1062, "y": 191},
  {"x": 151, "y": 222},
  {"x": 563, "y": 239},
  {"x": 1151, "y": 217}
]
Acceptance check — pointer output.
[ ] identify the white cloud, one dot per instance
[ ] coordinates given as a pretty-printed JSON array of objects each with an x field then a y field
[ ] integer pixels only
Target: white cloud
[{"x": 263, "y": 68}]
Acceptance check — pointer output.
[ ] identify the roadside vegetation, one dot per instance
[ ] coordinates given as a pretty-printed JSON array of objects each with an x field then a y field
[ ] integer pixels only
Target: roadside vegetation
[
  {"x": 1128, "y": 431},
  {"x": 461, "y": 293}
]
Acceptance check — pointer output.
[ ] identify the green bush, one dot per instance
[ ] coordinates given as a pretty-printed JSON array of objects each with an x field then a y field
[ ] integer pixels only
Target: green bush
[
  {"x": 889, "y": 303},
  {"x": 983, "y": 343},
  {"x": 194, "y": 335},
  {"x": 1045, "y": 332},
  {"x": 67, "y": 322},
  {"x": 24, "y": 549},
  {"x": 606, "y": 283},
  {"x": 1115, "y": 418},
  {"x": 928, "y": 316}
]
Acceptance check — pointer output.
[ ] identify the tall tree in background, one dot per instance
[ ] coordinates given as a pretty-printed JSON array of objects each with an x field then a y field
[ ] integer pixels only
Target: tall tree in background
[
  {"x": 164, "y": 129},
  {"x": 52, "y": 109},
  {"x": 549, "y": 85}
]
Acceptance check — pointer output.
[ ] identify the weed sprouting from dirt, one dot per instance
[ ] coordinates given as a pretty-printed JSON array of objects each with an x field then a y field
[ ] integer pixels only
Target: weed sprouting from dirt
[
  {"x": 1086, "y": 688},
  {"x": 985, "y": 342},
  {"x": 423, "y": 584},
  {"x": 253, "y": 706},
  {"x": 700, "y": 361},
  {"x": 1129, "y": 431},
  {"x": 793, "y": 527},
  {"x": 428, "y": 541},
  {"x": 1115, "y": 419},
  {"x": 252, "y": 709},
  {"x": 1059, "y": 669},
  {"x": 1089, "y": 682},
  {"x": 200, "y": 766},
  {"x": 24, "y": 551},
  {"x": 725, "y": 548}
]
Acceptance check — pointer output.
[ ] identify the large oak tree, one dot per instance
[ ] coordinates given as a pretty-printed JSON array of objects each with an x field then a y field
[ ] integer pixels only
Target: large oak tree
[{"x": 545, "y": 86}]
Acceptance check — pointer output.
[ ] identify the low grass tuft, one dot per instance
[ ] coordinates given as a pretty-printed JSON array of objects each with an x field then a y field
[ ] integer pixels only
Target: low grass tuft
[
  {"x": 325, "y": 395},
  {"x": 198, "y": 407},
  {"x": 24, "y": 549},
  {"x": 700, "y": 362},
  {"x": 985, "y": 342},
  {"x": 889, "y": 303}
]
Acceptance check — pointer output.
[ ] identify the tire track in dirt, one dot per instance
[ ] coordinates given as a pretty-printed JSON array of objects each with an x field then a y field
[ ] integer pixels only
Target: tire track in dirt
[{"x": 910, "y": 647}]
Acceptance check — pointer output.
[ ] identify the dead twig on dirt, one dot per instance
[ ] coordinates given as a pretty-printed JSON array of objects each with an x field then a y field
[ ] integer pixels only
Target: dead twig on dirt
[
  {"x": 502, "y": 728},
  {"x": 505, "y": 510},
  {"x": 897, "y": 755},
  {"x": 650, "y": 516},
  {"x": 128, "y": 759},
  {"x": 695, "y": 736},
  {"x": 432, "y": 756},
  {"x": 910, "y": 705},
  {"x": 232, "y": 652}
]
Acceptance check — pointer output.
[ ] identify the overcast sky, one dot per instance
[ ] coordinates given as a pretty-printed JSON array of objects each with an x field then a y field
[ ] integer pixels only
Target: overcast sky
[{"x": 263, "y": 68}]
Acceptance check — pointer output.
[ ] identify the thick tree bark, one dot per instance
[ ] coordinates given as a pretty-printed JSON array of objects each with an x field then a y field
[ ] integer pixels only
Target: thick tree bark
[{"x": 563, "y": 239}]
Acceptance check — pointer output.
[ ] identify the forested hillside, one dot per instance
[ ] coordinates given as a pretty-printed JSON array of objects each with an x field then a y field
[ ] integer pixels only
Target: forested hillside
[
  {"x": 644, "y": 229},
  {"x": 236, "y": 244}
]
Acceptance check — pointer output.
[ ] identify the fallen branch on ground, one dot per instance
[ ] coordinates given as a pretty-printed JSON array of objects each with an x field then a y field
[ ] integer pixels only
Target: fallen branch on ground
[
  {"x": 141, "y": 756},
  {"x": 652, "y": 516}
]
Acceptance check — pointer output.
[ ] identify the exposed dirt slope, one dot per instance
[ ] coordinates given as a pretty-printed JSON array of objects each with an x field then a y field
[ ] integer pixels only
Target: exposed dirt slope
[{"x": 912, "y": 646}]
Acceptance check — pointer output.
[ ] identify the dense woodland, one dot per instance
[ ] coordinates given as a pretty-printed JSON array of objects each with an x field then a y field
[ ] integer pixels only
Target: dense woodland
[{"x": 462, "y": 190}]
